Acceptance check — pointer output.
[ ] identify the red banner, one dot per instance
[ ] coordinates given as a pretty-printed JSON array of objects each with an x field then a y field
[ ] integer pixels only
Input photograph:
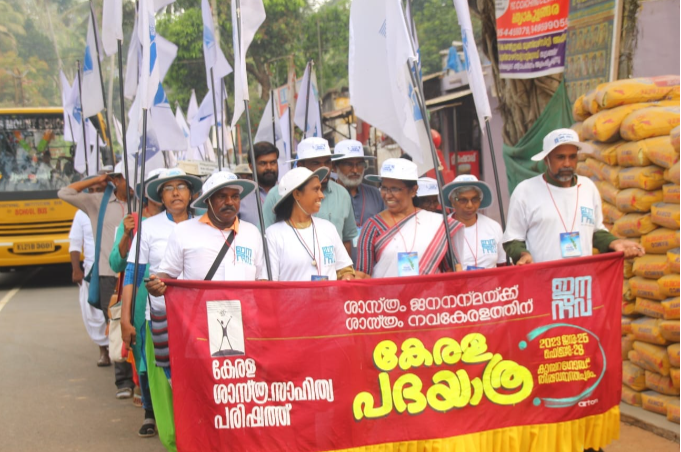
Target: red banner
[{"x": 317, "y": 366}]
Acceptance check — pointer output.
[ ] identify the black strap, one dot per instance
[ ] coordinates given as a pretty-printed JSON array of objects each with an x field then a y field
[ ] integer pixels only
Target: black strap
[{"x": 220, "y": 256}]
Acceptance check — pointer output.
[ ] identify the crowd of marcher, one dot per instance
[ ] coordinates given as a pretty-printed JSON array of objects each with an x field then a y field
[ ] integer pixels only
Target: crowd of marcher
[{"x": 381, "y": 225}]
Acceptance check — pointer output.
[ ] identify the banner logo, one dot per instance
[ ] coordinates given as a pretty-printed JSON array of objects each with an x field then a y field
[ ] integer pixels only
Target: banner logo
[{"x": 225, "y": 328}]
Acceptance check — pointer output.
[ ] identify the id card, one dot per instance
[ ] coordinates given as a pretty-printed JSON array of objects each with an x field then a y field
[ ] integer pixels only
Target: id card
[
  {"x": 570, "y": 245},
  {"x": 355, "y": 241},
  {"x": 320, "y": 278},
  {"x": 473, "y": 267},
  {"x": 408, "y": 264}
]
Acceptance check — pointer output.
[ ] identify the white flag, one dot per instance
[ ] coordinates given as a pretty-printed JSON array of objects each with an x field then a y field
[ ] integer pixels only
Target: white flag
[
  {"x": 192, "y": 108},
  {"x": 150, "y": 77},
  {"x": 168, "y": 132},
  {"x": 287, "y": 144},
  {"x": 380, "y": 45},
  {"x": 133, "y": 63},
  {"x": 93, "y": 98},
  {"x": 112, "y": 25},
  {"x": 75, "y": 112},
  {"x": 309, "y": 106},
  {"x": 179, "y": 117},
  {"x": 269, "y": 128},
  {"x": 202, "y": 121},
  {"x": 167, "y": 51},
  {"x": 92, "y": 151},
  {"x": 251, "y": 16},
  {"x": 65, "y": 95},
  {"x": 212, "y": 53},
  {"x": 473, "y": 66}
]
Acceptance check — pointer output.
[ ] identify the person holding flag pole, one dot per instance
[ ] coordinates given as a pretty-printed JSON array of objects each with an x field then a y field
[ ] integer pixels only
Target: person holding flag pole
[{"x": 247, "y": 16}]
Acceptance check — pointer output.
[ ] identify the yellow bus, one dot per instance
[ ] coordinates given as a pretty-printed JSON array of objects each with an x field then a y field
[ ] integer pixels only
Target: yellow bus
[{"x": 35, "y": 162}]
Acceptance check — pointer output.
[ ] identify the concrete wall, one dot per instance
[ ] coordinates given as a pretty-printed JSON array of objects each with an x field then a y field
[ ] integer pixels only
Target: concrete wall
[{"x": 658, "y": 50}]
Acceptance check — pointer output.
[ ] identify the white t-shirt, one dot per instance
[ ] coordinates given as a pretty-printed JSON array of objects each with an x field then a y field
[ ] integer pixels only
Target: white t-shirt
[
  {"x": 82, "y": 239},
  {"x": 481, "y": 245},
  {"x": 290, "y": 260},
  {"x": 533, "y": 217},
  {"x": 155, "y": 233},
  {"x": 193, "y": 247}
]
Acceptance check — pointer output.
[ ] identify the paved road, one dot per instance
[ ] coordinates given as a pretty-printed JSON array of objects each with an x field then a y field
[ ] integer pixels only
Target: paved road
[{"x": 53, "y": 397}]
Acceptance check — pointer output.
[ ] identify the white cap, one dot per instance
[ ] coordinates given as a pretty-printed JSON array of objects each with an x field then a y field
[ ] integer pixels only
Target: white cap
[
  {"x": 557, "y": 138},
  {"x": 427, "y": 187},
  {"x": 220, "y": 180},
  {"x": 398, "y": 168},
  {"x": 313, "y": 147},
  {"x": 243, "y": 169},
  {"x": 295, "y": 178},
  {"x": 350, "y": 149}
]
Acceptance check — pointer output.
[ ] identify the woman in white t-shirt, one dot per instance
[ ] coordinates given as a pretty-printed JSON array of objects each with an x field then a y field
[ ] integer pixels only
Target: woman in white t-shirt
[
  {"x": 302, "y": 247},
  {"x": 479, "y": 243}
]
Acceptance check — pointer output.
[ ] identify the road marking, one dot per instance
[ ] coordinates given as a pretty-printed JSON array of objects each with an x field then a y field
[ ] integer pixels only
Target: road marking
[{"x": 14, "y": 291}]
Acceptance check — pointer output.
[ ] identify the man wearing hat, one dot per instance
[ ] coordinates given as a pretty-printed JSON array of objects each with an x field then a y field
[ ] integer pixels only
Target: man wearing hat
[
  {"x": 243, "y": 171},
  {"x": 102, "y": 278},
  {"x": 217, "y": 246},
  {"x": 314, "y": 153},
  {"x": 350, "y": 164},
  {"x": 479, "y": 243},
  {"x": 558, "y": 214},
  {"x": 266, "y": 167}
]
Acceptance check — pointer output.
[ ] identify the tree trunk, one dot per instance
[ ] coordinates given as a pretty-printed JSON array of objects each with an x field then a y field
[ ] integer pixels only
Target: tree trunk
[{"x": 521, "y": 101}]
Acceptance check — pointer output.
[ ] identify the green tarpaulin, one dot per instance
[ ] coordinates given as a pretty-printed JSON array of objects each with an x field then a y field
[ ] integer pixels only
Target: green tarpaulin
[{"x": 556, "y": 115}]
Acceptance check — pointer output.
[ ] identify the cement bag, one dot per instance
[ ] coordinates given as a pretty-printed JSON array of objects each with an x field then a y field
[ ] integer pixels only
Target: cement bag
[
  {"x": 647, "y": 330},
  {"x": 596, "y": 167},
  {"x": 646, "y": 178},
  {"x": 646, "y": 288},
  {"x": 673, "y": 410},
  {"x": 660, "y": 241},
  {"x": 673, "y": 353},
  {"x": 630, "y": 154},
  {"x": 605, "y": 125},
  {"x": 605, "y": 152},
  {"x": 633, "y": 376},
  {"x": 630, "y": 91},
  {"x": 674, "y": 374},
  {"x": 649, "y": 308},
  {"x": 626, "y": 291},
  {"x": 630, "y": 396},
  {"x": 669, "y": 285},
  {"x": 633, "y": 224},
  {"x": 660, "y": 151},
  {"x": 628, "y": 268},
  {"x": 637, "y": 200},
  {"x": 610, "y": 213},
  {"x": 670, "y": 308},
  {"x": 649, "y": 122},
  {"x": 584, "y": 170},
  {"x": 674, "y": 136},
  {"x": 669, "y": 329},
  {"x": 577, "y": 127},
  {"x": 656, "y": 403},
  {"x": 665, "y": 215},
  {"x": 589, "y": 102},
  {"x": 626, "y": 325},
  {"x": 578, "y": 111},
  {"x": 608, "y": 191},
  {"x": 673, "y": 260},
  {"x": 655, "y": 357},
  {"x": 672, "y": 174},
  {"x": 670, "y": 194},
  {"x": 660, "y": 384},
  {"x": 635, "y": 357},
  {"x": 627, "y": 345},
  {"x": 628, "y": 308},
  {"x": 652, "y": 266},
  {"x": 611, "y": 174}
]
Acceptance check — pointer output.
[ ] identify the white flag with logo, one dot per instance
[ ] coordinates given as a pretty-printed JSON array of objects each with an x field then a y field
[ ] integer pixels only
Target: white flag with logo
[
  {"x": 380, "y": 45},
  {"x": 473, "y": 66},
  {"x": 65, "y": 95},
  {"x": 203, "y": 120},
  {"x": 112, "y": 25},
  {"x": 269, "y": 128},
  {"x": 168, "y": 132},
  {"x": 150, "y": 76},
  {"x": 309, "y": 106},
  {"x": 93, "y": 99},
  {"x": 75, "y": 112},
  {"x": 212, "y": 53},
  {"x": 251, "y": 16},
  {"x": 92, "y": 151}
]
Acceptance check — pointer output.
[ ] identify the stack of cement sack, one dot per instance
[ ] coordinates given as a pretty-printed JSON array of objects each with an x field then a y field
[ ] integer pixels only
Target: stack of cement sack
[{"x": 633, "y": 129}]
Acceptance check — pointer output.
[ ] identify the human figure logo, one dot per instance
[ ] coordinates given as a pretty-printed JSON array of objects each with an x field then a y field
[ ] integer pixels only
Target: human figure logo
[{"x": 225, "y": 328}]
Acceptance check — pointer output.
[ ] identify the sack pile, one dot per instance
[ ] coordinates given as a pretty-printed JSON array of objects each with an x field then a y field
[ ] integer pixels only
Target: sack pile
[{"x": 632, "y": 127}]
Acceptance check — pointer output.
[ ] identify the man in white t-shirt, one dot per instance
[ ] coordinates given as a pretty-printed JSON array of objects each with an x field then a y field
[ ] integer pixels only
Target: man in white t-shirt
[
  {"x": 479, "y": 243},
  {"x": 194, "y": 246},
  {"x": 558, "y": 214}
]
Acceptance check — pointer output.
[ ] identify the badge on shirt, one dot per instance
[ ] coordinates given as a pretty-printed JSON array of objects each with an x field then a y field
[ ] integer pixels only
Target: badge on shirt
[
  {"x": 408, "y": 264},
  {"x": 355, "y": 241},
  {"x": 473, "y": 267},
  {"x": 320, "y": 278},
  {"x": 570, "y": 245}
]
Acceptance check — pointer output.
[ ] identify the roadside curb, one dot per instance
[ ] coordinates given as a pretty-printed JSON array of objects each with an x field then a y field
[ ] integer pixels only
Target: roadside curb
[{"x": 652, "y": 422}]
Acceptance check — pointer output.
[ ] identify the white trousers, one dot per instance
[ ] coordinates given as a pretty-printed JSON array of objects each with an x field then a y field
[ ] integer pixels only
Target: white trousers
[{"x": 93, "y": 318}]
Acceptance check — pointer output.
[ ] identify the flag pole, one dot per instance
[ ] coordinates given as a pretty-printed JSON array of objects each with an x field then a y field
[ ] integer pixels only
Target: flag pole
[
  {"x": 496, "y": 174},
  {"x": 224, "y": 123},
  {"x": 82, "y": 120},
  {"x": 123, "y": 136},
  {"x": 251, "y": 151},
  {"x": 101, "y": 81},
  {"x": 274, "y": 128},
  {"x": 215, "y": 118},
  {"x": 228, "y": 114},
  {"x": 436, "y": 162},
  {"x": 135, "y": 276},
  {"x": 309, "y": 80}
]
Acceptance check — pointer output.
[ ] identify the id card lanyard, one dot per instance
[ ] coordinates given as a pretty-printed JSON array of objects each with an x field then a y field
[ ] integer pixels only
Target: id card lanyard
[
  {"x": 569, "y": 236},
  {"x": 474, "y": 253}
]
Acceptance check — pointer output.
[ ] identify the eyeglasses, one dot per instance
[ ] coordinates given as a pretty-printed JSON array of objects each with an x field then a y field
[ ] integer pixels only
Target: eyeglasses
[
  {"x": 474, "y": 200},
  {"x": 171, "y": 188},
  {"x": 392, "y": 190},
  {"x": 352, "y": 164}
]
